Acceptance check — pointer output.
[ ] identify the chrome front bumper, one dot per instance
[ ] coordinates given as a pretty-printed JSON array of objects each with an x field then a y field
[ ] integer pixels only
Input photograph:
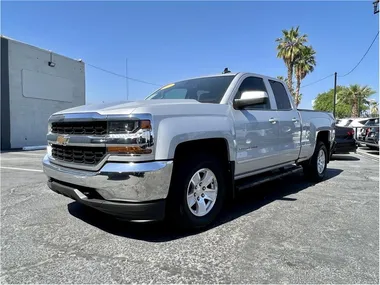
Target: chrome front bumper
[{"x": 117, "y": 182}]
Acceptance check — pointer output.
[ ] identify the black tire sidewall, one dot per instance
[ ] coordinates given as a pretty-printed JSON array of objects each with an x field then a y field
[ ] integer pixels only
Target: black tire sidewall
[
  {"x": 180, "y": 211},
  {"x": 321, "y": 147},
  {"x": 311, "y": 170}
]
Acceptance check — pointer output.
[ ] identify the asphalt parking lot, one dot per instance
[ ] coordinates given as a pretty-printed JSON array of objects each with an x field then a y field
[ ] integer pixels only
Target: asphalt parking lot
[{"x": 288, "y": 231}]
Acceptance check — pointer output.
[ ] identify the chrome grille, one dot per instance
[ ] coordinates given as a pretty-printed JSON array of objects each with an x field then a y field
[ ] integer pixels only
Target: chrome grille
[
  {"x": 77, "y": 154},
  {"x": 80, "y": 128}
]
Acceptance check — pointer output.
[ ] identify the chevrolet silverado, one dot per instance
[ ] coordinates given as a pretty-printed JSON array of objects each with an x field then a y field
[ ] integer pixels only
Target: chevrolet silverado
[{"x": 185, "y": 150}]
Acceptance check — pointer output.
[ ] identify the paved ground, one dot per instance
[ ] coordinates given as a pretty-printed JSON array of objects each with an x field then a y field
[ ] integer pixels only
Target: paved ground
[
  {"x": 363, "y": 150},
  {"x": 282, "y": 232}
]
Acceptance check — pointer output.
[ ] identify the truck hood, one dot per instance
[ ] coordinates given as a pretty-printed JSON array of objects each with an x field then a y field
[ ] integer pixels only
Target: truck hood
[{"x": 155, "y": 107}]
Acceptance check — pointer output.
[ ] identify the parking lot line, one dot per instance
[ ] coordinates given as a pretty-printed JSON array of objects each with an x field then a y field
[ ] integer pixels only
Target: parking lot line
[
  {"x": 24, "y": 169},
  {"x": 368, "y": 155}
]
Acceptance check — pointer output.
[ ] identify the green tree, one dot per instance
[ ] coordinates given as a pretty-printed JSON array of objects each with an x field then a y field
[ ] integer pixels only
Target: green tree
[
  {"x": 283, "y": 79},
  {"x": 325, "y": 102},
  {"x": 355, "y": 96},
  {"x": 304, "y": 64},
  {"x": 374, "y": 108},
  {"x": 289, "y": 46}
]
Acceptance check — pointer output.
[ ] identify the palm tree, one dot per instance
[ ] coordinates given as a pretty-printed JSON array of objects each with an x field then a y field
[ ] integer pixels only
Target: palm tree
[
  {"x": 283, "y": 79},
  {"x": 374, "y": 108},
  {"x": 303, "y": 65},
  {"x": 288, "y": 48},
  {"x": 355, "y": 95}
]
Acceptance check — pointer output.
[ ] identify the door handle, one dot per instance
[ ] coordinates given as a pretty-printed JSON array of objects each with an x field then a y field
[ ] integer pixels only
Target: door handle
[
  {"x": 294, "y": 120},
  {"x": 273, "y": 120}
]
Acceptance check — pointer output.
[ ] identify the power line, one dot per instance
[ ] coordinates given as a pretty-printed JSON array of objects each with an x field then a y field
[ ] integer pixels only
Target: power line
[
  {"x": 362, "y": 56},
  {"x": 350, "y": 70},
  {"x": 319, "y": 80},
  {"x": 123, "y": 76}
]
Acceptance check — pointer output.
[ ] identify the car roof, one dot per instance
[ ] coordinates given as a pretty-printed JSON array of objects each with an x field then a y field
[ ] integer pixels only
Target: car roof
[{"x": 229, "y": 74}]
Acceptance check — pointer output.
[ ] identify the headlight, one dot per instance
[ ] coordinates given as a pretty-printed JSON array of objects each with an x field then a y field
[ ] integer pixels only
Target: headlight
[
  {"x": 127, "y": 127},
  {"x": 132, "y": 137}
]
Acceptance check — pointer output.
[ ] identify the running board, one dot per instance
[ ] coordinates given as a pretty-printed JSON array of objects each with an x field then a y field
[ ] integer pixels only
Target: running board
[{"x": 255, "y": 180}]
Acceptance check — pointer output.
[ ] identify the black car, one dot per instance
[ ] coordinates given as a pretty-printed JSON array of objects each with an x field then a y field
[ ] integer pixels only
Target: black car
[
  {"x": 344, "y": 140},
  {"x": 372, "y": 138}
]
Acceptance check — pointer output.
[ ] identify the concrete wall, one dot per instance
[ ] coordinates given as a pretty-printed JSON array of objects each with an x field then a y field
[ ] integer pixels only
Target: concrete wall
[{"x": 36, "y": 90}]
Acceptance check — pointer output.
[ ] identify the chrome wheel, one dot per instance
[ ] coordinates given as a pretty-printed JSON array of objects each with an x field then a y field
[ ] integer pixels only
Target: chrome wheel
[
  {"x": 321, "y": 161},
  {"x": 202, "y": 192}
]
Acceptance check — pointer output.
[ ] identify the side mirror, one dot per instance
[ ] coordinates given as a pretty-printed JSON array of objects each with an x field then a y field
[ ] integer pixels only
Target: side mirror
[{"x": 249, "y": 98}]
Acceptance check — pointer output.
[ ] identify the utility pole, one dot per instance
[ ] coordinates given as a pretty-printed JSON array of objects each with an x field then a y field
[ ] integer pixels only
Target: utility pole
[
  {"x": 376, "y": 7},
  {"x": 335, "y": 76},
  {"x": 126, "y": 78},
  {"x": 359, "y": 103}
]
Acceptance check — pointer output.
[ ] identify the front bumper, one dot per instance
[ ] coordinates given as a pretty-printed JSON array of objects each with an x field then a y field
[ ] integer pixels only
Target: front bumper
[
  {"x": 134, "y": 191},
  {"x": 146, "y": 211}
]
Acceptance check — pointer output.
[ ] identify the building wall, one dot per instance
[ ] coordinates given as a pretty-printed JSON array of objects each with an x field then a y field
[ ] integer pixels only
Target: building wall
[{"x": 37, "y": 90}]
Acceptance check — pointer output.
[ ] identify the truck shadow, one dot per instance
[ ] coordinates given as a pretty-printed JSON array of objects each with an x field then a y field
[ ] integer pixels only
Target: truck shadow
[
  {"x": 246, "y": 202},
  {"x": 344, "y": 157}
]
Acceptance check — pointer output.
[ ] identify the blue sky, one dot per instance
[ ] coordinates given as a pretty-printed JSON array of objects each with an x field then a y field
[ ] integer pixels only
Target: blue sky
[{"x": 169, "y": 41}]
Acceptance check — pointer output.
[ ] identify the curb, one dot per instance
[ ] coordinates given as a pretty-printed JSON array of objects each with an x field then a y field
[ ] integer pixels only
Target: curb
[
  {"x": 368, "y": 155},
  {"x": 38, "y": 147}
]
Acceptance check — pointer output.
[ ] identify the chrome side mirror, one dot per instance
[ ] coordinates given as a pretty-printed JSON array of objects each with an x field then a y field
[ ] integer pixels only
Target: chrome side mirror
[{"x": 250, "y": 98}]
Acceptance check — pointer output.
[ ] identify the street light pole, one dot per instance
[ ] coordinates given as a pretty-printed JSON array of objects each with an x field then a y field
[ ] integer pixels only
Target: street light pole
[
  {"x": 335, "y": 76},
  {"x": 126, "y": 78}
]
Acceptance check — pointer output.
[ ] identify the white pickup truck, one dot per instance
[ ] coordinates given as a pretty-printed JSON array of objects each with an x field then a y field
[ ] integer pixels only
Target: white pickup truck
[{"x": 186, "y": 149}]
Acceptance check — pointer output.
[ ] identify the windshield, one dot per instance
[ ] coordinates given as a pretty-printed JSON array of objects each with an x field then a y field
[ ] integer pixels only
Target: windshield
[
  {"x": 372, "y": 122},
  {"x": 204, "y": 90}
]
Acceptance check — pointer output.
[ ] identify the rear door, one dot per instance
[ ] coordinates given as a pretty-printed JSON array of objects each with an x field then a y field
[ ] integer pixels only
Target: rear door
[
  {"x": 289, "y": 144},
  {"x": 256, "y": 131}
]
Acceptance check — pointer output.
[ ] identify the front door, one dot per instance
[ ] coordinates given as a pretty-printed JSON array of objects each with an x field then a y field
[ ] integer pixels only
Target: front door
[{"x": 257, "y": 132}]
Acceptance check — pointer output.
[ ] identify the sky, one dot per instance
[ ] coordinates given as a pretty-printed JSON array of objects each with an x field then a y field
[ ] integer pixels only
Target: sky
[{"x": 169, "y": 41}]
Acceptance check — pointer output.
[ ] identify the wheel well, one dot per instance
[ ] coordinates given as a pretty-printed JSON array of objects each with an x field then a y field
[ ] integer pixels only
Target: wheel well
[
  {"x": 216, "y": 146},
  {"x": 323, "y": 136}
]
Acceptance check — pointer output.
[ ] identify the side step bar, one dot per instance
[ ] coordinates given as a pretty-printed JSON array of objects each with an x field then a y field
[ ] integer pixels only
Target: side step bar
[{"x": 249, "y": 182}]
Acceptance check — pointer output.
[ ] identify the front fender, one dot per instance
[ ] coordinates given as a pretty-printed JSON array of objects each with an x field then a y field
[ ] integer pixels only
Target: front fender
[{"x": 175, "y": 130}]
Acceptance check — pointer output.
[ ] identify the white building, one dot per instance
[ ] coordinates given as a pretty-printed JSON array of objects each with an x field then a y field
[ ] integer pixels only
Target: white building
[{"x": 35, "y": 83}]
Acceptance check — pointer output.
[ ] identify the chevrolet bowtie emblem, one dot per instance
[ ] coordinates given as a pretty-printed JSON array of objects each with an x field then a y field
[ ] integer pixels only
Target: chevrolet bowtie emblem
[{"x": 62, "y": 140}]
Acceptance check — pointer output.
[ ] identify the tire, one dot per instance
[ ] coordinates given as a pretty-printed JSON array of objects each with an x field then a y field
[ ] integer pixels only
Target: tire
[
  {"x": 311, "y": 170},
  {"x": 178, "y": 210}
]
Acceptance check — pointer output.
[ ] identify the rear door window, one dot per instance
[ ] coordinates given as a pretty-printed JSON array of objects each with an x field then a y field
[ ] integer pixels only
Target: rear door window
[{"x": 281, "y": 96}]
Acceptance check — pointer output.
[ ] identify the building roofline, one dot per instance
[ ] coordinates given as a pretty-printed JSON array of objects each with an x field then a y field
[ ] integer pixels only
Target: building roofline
[{"x": 42, "y": 49}]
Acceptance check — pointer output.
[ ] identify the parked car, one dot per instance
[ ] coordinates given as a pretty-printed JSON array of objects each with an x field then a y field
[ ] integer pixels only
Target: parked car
[
  {"x": 351, "y": 122},
  {"x": 372, "y": 122},
  {"x": 356, "y": 123},
  {"x": 344, "y": 140},
  {"x": 186, "y": 149},
  {"x": 372, "y": 138}
]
